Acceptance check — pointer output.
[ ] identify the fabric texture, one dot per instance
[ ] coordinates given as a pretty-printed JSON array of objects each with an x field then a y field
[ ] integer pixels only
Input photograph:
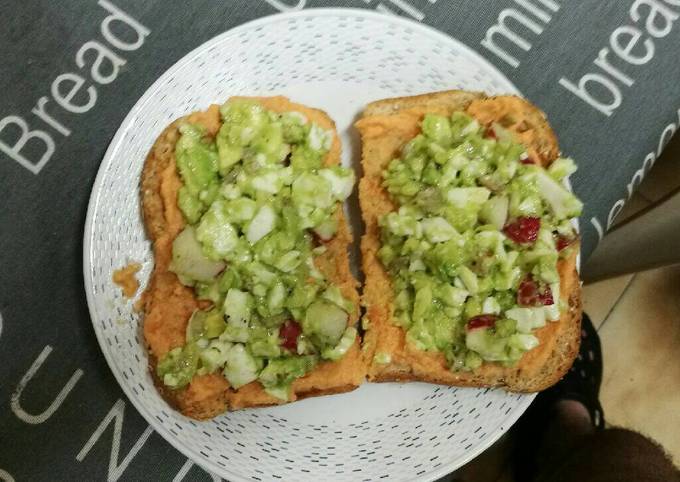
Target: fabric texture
[
  {"x": 614, "y": 455},
  {"x": 604, "y": 72}
]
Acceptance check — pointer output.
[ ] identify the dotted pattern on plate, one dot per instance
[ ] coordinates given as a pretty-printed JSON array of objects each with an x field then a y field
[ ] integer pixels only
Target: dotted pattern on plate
[{"x": 432, "y": 430}]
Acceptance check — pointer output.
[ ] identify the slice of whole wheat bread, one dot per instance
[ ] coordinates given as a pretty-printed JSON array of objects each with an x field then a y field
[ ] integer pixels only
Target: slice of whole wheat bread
[
  {"x": 168, "y": 304},
  {"x": 385, "y": 127}
]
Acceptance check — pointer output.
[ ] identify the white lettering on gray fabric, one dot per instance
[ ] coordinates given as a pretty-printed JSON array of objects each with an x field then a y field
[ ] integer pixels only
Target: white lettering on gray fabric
[
  {"x": 116, "y": 414},
  {"x": 65, "y": 100},
  {"x": 665, "y": 138},
  {"x": 656, "y": 8},
  {"x": 634, "y": 48},
  {"x": 39, "y": 110},
  {"x": 14, "y": 150},
  {"x": 66, "y": 86},
  {"x": 501, "y": 29},
  {"x": 15, "y": 401},
  {"x": 637, "y": 177},
  {"x": 607, "y": 105},
  {"x": 120, "y": 16},
  {"x": 185, "y": 470},
  {"x": 598, "y": 228},
  {"x": 603, "y": 62},
  {"x": 103, "y": 52},
  {"x": 626, "y": 51},
  {"x": 615, "y": 211}
]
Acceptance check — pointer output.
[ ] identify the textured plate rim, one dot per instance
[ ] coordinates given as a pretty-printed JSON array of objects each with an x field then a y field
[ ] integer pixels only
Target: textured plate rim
[{"x": 148, "y": 95}]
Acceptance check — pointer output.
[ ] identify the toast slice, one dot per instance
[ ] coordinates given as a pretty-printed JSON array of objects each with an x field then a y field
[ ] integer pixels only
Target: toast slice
[
  {"x": 168, "y": 304},
  {"x": 385, "y": 127}
]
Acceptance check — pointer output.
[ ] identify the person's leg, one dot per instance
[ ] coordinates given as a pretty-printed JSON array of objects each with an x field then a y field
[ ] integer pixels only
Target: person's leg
[
  {"x": 569, "y": 425},
  {"x": 488, "y": 466},
  {"x": 563, "y": 415},
  {"x": 612, "y": 455},
  {"x": 563, "y": 439}
]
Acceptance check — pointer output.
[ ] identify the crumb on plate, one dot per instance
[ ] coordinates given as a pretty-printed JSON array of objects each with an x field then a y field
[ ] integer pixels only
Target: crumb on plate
[{"x": 125, "y": 278}]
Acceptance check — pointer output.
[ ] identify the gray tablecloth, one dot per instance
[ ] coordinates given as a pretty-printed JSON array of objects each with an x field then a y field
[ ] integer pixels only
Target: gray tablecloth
[{"x": 605, "y": 71}]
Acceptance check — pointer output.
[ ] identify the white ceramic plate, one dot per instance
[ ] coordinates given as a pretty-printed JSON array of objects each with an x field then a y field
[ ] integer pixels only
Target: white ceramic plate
[{"x": 337, "y": 60}]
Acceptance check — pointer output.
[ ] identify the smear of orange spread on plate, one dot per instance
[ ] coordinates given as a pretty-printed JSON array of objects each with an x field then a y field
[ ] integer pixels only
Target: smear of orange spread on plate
[{"x": 125, "y": 278}]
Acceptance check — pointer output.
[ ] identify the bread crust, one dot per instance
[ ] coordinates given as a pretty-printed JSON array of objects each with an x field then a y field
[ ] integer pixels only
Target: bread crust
[
  {"x": 168, "y": 304},
  {"x": 210, "y": 395},
  {"x": 385, "y": 127}
]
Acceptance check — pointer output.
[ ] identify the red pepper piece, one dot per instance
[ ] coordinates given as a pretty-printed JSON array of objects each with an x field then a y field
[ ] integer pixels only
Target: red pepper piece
[
  {"x": 523, "y": 230},
  {"x": 289, "y": 333},
  {"x": 481, "y": 321}
]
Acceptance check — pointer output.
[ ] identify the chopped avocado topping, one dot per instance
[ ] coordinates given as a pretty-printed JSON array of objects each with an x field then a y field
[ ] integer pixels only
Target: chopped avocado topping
[
  {"x": 197, "y": 163},
  {"x": 205, "y": 324},
  {"x": 189, "y": 261},
  {"x": 178, "y": 366},
  {"x": 325, "y": 322},
  {"x": 345, "y": 343},
  {"x": 241, "y": 367},
  {"x": 255, "y": 198},
  {"x": 280, "y": 373},
  {"x": 472, "y": 245}
]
